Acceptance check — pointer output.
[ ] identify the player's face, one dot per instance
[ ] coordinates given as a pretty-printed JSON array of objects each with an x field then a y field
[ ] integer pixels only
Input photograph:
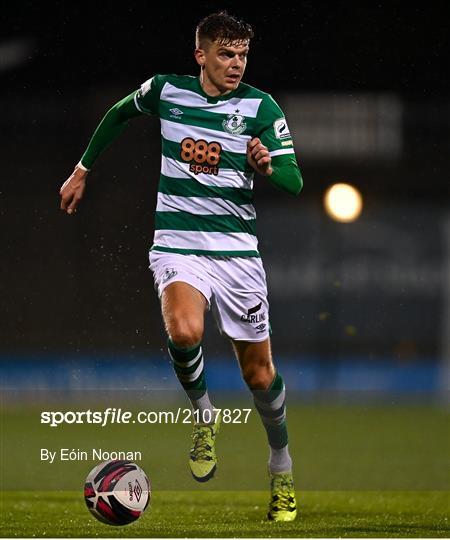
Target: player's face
[{"x": 223, "y": 66}]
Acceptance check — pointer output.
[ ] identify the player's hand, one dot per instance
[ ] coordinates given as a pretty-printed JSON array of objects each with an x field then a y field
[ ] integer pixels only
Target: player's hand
[
  {"x": 259, "y": 158},
  {"x": 72, "y": 190}
]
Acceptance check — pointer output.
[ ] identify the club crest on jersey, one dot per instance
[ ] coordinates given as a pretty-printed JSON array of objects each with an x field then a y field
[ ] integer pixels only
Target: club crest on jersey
[{"x": 235, "y": 124}]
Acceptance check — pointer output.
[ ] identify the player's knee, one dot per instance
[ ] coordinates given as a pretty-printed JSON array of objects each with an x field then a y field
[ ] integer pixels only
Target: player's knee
[
  {"x": 259, "y": 377},
  {"x": 186, "y": 333}
]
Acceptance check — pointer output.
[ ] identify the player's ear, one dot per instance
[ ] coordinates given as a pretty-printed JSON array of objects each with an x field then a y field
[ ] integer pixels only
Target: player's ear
[{"x": 200, "y": 56}]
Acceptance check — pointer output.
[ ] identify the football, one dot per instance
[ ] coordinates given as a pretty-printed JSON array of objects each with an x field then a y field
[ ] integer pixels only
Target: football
[{"x": 117, "y": 492}]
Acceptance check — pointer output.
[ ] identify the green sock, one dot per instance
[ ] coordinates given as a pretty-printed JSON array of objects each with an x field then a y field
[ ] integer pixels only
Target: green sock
[
  {"x": 270, "y": 404},
  {"x": 188, "y": 366}
]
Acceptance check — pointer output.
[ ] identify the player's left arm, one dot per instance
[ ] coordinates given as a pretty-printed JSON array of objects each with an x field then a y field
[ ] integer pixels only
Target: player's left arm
[{"x": 272, "y": 152}]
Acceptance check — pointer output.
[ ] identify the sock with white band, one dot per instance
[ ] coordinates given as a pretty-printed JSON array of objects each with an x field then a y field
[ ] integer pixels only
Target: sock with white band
[
  {"x": 271, "y": 406},
  {"x": 188, "y": 366}
]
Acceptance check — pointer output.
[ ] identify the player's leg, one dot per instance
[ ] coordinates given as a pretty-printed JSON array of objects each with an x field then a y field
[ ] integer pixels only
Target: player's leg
[
  {"x": 183, "y": 308},
  {"x": 184, "y": 294},
  {"x": 267, "y": 387},
  {"x": 184, "y": 291}
]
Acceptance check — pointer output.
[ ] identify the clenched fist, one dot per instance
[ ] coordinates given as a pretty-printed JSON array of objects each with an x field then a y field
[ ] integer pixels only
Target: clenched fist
[{"x": 259, "y": 158}]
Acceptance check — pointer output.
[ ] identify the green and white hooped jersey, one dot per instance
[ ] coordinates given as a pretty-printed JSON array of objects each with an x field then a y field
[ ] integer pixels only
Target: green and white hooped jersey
[{"x": 205, "y": 192}]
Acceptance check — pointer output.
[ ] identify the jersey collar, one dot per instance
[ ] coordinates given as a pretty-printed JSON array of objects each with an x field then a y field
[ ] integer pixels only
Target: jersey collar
[{"x": 215, "y": 99}]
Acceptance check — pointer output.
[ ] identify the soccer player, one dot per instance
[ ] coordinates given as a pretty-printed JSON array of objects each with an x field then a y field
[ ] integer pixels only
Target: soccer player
[{"x": 216, "y": 132}]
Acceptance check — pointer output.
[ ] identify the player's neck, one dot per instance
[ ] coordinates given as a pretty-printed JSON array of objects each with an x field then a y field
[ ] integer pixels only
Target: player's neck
[{"x": 211, "y": 89}]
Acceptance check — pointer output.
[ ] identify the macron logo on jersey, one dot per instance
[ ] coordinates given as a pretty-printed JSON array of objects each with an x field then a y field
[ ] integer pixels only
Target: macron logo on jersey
[{"x": 175, "y": 113}]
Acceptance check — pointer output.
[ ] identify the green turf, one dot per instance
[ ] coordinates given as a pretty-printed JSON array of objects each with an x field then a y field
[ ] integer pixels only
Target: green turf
[
  {"x": 335, "y": 448},
  {"x": 234, "y": 514},
  {"x": 361, "y": 470}
]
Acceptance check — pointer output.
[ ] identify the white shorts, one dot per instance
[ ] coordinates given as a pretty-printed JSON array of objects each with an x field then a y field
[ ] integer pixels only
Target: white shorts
[{"x": 234, "y": 287}]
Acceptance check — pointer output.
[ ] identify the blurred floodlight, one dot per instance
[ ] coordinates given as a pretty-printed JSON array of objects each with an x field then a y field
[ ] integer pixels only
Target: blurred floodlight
[
  {"x": 15, "y": 52},
  {"x": 343, "y": 202}
]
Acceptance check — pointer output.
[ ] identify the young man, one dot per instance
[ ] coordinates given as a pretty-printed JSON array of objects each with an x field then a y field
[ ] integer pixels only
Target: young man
[{"x": 216, "y": 131}]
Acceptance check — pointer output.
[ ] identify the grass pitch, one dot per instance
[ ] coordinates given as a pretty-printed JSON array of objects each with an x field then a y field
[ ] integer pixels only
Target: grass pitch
[
  {"x": 234, "y": 514},
  {"x": 360, "y": 471}
]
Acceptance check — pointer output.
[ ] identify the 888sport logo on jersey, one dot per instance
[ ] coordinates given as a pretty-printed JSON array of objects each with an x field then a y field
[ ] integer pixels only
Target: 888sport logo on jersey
[{"x": 203, "y": 157}]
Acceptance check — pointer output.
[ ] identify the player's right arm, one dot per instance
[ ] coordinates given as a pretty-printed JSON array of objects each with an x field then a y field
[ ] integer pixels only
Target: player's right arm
[{"x": 112, "y": 125}]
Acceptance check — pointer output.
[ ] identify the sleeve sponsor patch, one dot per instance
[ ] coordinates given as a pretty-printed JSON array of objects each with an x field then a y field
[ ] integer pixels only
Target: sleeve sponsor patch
[{"x": 281, "y": 129}]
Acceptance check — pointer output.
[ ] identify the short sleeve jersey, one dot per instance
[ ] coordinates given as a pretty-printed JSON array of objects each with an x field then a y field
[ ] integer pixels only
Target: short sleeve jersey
[{"x": 205, "y": 192}]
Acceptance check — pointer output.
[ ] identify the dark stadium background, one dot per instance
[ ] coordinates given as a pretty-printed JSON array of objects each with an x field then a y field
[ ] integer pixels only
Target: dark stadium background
[{"x": 359, "y": 311}]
